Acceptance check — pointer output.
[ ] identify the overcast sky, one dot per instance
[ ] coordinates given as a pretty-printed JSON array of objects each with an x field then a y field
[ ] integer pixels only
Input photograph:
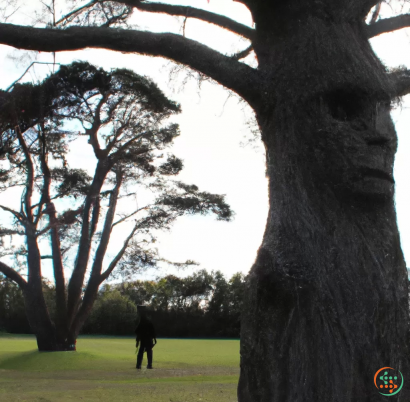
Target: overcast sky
[{"x": 214, "y": 128}]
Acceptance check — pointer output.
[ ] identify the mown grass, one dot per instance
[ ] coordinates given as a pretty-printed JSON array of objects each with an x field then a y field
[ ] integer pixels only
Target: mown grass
[{"x": 103, "y": 369}]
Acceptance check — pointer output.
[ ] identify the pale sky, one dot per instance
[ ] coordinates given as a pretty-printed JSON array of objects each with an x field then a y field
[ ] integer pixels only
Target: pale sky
[{"x": 213, "y": 126}]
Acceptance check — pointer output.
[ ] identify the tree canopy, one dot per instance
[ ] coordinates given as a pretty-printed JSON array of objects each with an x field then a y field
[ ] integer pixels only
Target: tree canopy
[{"x": 123, "y": 116}]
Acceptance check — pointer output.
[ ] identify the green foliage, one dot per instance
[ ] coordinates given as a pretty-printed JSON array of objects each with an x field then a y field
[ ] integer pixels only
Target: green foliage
[
  {"x": 113, "y": 313},
  {"x": 203, "y": 304},
  {"x": 172, "y": 166},
  {"x": 12, "y": 310},
  {"x": 72, "y": 182},
  {"x": 192, "y": 201}
]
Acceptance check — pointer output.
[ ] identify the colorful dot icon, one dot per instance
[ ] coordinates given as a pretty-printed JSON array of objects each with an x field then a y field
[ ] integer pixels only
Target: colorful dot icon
[{"x": 388, "y": 382}]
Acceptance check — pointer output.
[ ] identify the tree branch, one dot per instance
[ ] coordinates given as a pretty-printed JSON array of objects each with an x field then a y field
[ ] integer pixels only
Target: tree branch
[
  {"x": 118, "y": 257},
  {"x": 95, "y": 278},
  {"x": 30, "y": 174},
  {"x": 106, "y": 232},
  {"x": 57, "y": 258},
  {"x": 76, "y": 12},
  {"x": 234, "y": 75},
  {"x": 242, "y": 54},
  {"x": 84, "y": 244},
  {"x": 25, "y": 72},
  {"x": 362, "y": 8},
  {"x": 92, "y": 132},
  {"x": 376, "y": 13},
  {"x": 13, "y": 275},
  {"x": 388, "y": 25},
  {"x": 191, "y": 12},
  {"x": 15, "y": 213},
  {"x": 10, "y": 232},
  {"x": 128, "y": 216}
]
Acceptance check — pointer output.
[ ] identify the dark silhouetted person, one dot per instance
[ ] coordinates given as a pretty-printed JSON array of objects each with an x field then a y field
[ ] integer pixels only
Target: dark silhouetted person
[{"x": 146, "y": 338}]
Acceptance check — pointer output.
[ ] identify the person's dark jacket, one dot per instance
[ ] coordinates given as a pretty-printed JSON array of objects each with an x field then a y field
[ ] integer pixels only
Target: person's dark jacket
[{"x": 145, "y": 331}]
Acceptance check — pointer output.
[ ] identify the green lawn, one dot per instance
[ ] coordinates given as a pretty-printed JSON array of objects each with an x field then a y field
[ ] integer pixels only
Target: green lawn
[{"x": 103, "y": 369}]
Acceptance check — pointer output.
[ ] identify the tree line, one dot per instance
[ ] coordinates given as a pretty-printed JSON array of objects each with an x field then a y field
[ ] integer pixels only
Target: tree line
[{"x": 203, "y": 304}]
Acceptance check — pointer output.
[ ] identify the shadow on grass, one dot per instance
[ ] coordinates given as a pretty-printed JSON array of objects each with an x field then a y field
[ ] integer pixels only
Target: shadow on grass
[{"x": 49, "y": 361}]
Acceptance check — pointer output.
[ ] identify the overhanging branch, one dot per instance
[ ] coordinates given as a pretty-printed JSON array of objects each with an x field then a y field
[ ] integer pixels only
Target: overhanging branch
[
  {"x": 388, "y": 25},
  {"x": 191, "y": 12},
  {"x": 12, "y": 274},
  {"x": 234, "y": 75}
]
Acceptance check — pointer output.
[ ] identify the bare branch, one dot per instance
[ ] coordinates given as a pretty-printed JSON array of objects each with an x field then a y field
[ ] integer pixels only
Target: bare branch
[
  {"x": 234, "y": 75},
  {"x": 15, "y": 213},
  {"x": 191, "y": 12},
  {"x": 376, "y": 13},
  {"x": 244, "y": 53},
  {"x": 13, "y": 275},
  {"x": 362, "y": 8},
  {"x": 26, "y": 70},
  {"x": 388, "y": 25},
  {"x": 76, "y": 12},
  {"x": 129, "y": 216},
  {"x": 43, "y": 231},
  {"x": 118, "y": 257}
]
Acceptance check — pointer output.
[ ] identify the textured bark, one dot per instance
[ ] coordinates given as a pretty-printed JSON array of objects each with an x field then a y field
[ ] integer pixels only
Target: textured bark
[
  {"x": 35, "y": 305},
  {"x": 61, "y": 322},
  {"x": 327, "y": 300},
  {"x": 39, "y": 319}
]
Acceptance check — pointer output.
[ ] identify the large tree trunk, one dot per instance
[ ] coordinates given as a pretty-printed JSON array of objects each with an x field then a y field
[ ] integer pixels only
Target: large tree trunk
[
  {"x": 327, "y": 300},
  {"x": 50, "y": 338},
  {"x": 39, "y": 318}
]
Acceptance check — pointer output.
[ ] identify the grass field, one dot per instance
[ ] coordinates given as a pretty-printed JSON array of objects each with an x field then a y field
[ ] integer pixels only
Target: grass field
[{"x": 103, "y": 369}]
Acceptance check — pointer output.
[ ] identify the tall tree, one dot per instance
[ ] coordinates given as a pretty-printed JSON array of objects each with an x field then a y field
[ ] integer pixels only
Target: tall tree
[
  {"x": 123, "y": 115},
  {"x": 327, "y": 297}
]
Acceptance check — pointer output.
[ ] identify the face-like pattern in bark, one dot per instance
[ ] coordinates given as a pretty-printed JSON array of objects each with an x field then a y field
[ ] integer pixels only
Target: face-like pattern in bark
[{"x": 355, "y": 143}]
